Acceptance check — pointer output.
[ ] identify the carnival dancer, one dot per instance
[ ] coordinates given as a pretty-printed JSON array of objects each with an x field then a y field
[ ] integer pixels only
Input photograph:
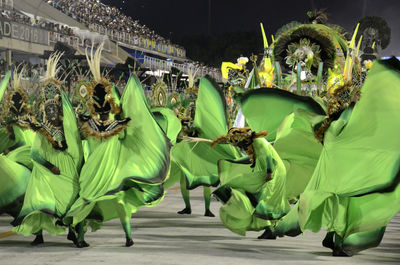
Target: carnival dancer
[
  {"x": 354, "y": 190},
  {"x": 252, "y": 188},
  {"x": 194, "y": 162},
  {"x": 56, "y": 156},
  {"x": 15, "y": 162},
  {"x": 128, "y": 157}
]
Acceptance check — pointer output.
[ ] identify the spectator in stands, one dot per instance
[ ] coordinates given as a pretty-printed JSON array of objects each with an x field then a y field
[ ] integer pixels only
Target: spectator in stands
[{"x": 92, "y": 12}]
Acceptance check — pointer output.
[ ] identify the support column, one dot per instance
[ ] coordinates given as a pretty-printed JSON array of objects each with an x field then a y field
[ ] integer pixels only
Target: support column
[{"x": 8, "y": 57}]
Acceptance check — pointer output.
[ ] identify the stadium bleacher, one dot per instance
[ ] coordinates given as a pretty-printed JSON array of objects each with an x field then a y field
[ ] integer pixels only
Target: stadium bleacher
[{"x": 84, "y": 23}]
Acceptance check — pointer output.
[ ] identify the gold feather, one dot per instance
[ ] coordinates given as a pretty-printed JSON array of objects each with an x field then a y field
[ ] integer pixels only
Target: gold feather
[
  {"x": 94, "y": 62},
  {"x": 52, "y": 69}
]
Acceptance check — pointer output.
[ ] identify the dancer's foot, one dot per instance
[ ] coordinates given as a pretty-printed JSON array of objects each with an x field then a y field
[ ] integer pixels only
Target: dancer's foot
[
  {"x": 185, "y": 211},
  {"x": 82, "y": 244},
  {"x": 328, "y": 243},
  {"x": 209, "y": 213},
  {"x": 71, "y": 236},
  {"x": 129, "y": 242},
  {"x": 38, "y": 240},
  {"x": 268, "y": 234},
  {"x": 338, "y": 252}
]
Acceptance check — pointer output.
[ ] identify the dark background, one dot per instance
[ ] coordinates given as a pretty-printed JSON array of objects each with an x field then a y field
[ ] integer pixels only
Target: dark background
[{"x": 217, "y": 30}]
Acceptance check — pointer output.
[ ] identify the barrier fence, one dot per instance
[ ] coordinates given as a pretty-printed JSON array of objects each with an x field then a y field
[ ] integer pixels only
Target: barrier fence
[
  {"x": 72, "y": 41},
  {"x": 34, "y": 34},
  {"x": 139, "y": 41},
  {"x": 158, "y": 64},
  {"x": 7, "y": 4}
]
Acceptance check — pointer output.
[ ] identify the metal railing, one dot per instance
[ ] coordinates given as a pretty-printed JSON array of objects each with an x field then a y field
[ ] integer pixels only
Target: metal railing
[
  {"x": 158, "y": 64},
  {"x": 145, "y": 43},
  {"x": 7, "y": 4},
  {"x": 72, "y": 41}
]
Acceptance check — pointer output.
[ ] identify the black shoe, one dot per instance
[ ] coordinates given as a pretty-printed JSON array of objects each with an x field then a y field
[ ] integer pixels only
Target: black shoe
[
  {"x": 268, "y": 234},
  {"x": 328, "y": 244},
  {"x": 38, "y": 240},
  {"x": 185, "y": 211},
  {"x": 338, "y": 252},
  {"x": 209, "y": 213},
  {"x": 71, "y": 236},
  {"x": 82, "y": 244},
  {"x": 129, "y": 242}
]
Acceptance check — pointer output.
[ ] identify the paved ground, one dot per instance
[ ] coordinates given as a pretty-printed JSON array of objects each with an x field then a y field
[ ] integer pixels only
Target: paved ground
[{"x": 163, "y": 237}]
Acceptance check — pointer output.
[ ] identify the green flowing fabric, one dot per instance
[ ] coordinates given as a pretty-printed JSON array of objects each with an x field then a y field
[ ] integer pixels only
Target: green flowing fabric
[
  {"x": 172, "y": 126},
  {"x": 174, "y": 176},
  {"x": 3, "y": 84},
  {"x": 15, "y": 170},
  {"x": 290, "y": 119},
  {"x": 127, "y": 170},
  {"x": 210, "y": 118},
  {"x": 5, "y": 141},
  {"x": 14, "y": 180},
  {"x": 299, "y": 150},
  {"x": 250, "y": 202},
  {"x": 16, "y": 166},
  {"x": 48, "y": 196},
  {"x": 168, "y": 121},
  {"x": 354, "y": 190},
  {"x": 198, "y": 161},
  {"x": 266, "y": 108}
]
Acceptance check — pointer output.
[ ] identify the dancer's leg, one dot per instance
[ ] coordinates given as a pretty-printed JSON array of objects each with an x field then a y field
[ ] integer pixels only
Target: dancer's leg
[
  {"x": 81, "y": 243},
  {"x": 72, "y": 236},
  {"x": 268, "y": 234},
  {"x": 338, "y": 249},
  {"x": 207, "y": 200},
  {"x": 125, "y": 218},
  {"x": 328, "y": 240},
  {"x": 38, "y": 239},
  {"x": 186, "y": 197}
]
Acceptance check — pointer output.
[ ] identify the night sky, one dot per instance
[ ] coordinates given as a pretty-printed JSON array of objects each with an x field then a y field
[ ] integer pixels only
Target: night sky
[{"x": 171, "y": 18}]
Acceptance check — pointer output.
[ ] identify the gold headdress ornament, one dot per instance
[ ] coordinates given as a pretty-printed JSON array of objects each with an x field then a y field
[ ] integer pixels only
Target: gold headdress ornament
[
  {"x": 52, "y": 69},
  {"x": 94, "y": 65},
  {"x": 51, "y": 86},
  {"x": 16, "y": 82},
  {"x": 16, "y": 88},
  {"x": 243, "y": 138}
]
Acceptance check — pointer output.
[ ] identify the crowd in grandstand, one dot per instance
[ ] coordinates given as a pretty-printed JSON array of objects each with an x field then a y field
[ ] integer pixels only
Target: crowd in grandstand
[
  {"x": 91, "y": 12},
  {"x": 14, "y": 15}
]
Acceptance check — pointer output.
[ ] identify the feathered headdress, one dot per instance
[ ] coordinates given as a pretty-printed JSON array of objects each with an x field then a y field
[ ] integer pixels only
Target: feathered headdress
[
  {"x": 52, "y": 69},
  {"x": 16, "y": 93},
  {"x": 51, "y": 86},
  {"x": 94, "y": 65}
]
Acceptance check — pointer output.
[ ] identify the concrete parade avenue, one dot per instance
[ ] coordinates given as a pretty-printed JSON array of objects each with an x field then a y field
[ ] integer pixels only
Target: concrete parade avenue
[{"x": 162, "y": 236}]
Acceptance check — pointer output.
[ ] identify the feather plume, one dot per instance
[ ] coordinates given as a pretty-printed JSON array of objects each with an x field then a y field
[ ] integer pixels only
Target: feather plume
[
  {"x": 52, "y": 69},
  {"x": 196, "y": 140},
  {"x": 16, "y": 82},
  {"x": 94, "y": 62}
]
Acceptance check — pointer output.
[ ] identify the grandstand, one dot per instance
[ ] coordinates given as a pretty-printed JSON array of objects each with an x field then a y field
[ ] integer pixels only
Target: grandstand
[{"x": 29, "y": 28}]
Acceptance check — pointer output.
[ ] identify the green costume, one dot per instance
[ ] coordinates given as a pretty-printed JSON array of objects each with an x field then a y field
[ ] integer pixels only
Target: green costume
[
  {"x": 252, "y": 189},
  {"x": 128, "y": 158},
  {"x": 171, "y": 125},
  {"x": 354, "y": 190},
  {"x": 15, "y": 161},
  {"x": 57, "y": 157},
  {"x": 289, "y": 120},
  {"x": 196, "y": 163},
  {"x": 168, "y": 121}
]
